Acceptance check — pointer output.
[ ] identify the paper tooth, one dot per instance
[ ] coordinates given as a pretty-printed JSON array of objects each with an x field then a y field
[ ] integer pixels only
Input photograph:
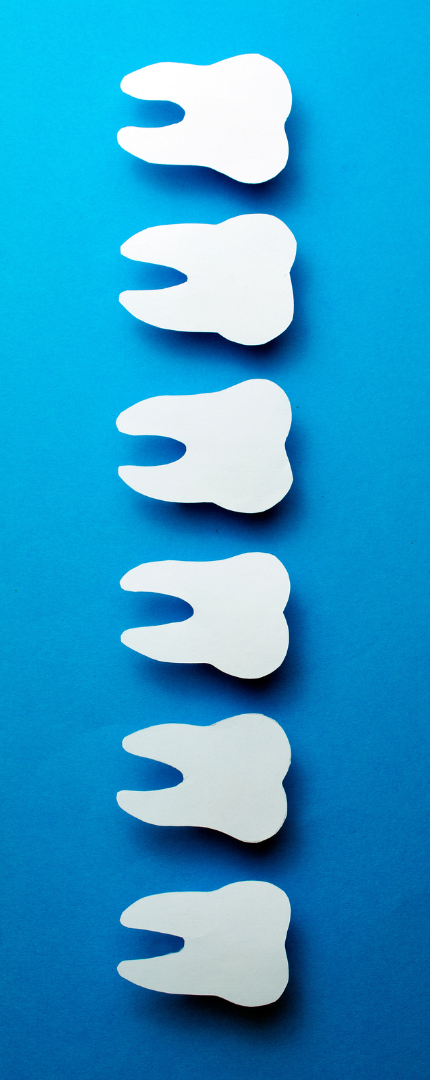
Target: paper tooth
[
  {"x": 233, "y": 772},
  {"x": 238, "y": 623},
  {"x": 235, "y": 113},
  {"x": 238, "y": 274},
  {"x": 234, "y": 942},
  {"x": 235, "y": 443}
]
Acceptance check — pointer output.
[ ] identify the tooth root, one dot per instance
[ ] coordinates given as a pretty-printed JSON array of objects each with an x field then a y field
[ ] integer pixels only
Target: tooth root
[
  {"x": 175, "y": 744},
  {"x": 171, "y": 245},
  {"x": 238, "y": 623},
  {"x": 238, "y": 274},
  {"x": 170, "y": 309},
  {"x": 233, "y": 772},
  {"x": 234, "y": 943},
  {"x": 174, "y": 643},
  {"x": 235, "y": 111},
  {"x": 156, "y": 80},
  {"x": 235, "y": 443}
]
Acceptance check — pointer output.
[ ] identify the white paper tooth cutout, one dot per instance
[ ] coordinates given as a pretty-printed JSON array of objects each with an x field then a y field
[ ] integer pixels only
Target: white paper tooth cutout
[
  {"x": 235, "y": 113},
  {"x": 233, "y": 772},
  {"x": 238, "y": 624},
  {"x": 235, "y": 443},
  {"x": 238, "y": 275},
  {"x": 234, "y": 942}
]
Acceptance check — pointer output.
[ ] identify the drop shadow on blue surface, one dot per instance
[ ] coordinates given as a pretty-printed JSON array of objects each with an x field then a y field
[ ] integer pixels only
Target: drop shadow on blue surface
[
  {"x": 147, "y": 774},
  {"x": 156, "y": 609},
  {"x": 144, "y": 944},
  {"x": 146, "y": 275},
  {"x": 154, "y": 113},
  {"x": 149, "y": 450}
]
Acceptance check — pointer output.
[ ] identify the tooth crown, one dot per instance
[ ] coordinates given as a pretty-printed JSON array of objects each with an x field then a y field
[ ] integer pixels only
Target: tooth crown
[
  {"x": 238, "y": 273},
  {"x": 234, "y": 942},
  {"x": 235, "y": 111},
  {"x": 233, "y": 772},
  {"x": 235, "y": 443},
  {"x": 238, "y": 623}
]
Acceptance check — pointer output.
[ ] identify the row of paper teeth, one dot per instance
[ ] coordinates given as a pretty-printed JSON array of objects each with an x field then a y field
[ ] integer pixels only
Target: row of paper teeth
[{"x": 238, "y": 285}]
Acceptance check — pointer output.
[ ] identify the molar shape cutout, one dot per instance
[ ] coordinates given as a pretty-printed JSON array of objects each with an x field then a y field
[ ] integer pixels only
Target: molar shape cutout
[
  {"x": 238, "y": 623},
  {"x": 235, "y": 443},
  {"x": 238, "y": 277},
  {"x": 234, "y": 942},
  {"x": 235, "y": 111},
  {"x": 233, "y": 772}
]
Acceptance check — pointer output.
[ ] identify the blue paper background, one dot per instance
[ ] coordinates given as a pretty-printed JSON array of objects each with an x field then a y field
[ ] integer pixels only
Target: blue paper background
[{"x": 353, "y": 534}]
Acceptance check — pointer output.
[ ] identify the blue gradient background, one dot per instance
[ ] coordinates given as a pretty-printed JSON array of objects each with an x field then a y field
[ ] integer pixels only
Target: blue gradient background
[{"x": 353, "y": 533}]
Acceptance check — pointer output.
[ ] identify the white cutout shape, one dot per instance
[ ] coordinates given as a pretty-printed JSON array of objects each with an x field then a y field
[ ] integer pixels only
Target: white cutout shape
[
  {"x": 238, "y": 623},
  {"x": 238, "y": 275},
  {"x": 232, "y": 776},
  {"x": 234, "y": 942},
  {"x": 235, "y": 113},
  {"x": 235, "y": 443}
]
